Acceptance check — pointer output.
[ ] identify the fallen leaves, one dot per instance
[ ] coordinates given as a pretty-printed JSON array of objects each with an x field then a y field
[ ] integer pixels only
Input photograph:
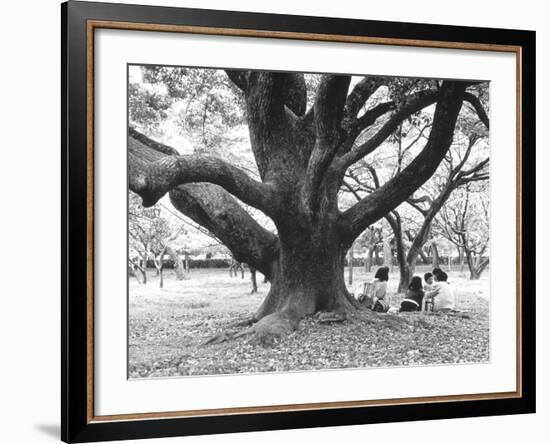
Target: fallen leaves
[
  {"x": 367, "y": 340},
  {"x": 166, "y": 334}
]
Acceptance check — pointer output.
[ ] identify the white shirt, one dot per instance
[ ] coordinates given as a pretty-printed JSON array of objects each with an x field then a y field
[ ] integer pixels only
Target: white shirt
[{"x": 445, "y": 298}]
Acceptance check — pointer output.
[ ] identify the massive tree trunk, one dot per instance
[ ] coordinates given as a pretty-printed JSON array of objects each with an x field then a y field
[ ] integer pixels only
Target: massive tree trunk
[
  {"x": 302, "y": 158},
  {"x": 303, "y": 286}
]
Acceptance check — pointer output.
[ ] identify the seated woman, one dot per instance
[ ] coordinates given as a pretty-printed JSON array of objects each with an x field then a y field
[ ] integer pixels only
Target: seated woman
[
  {"x": 379, "y": 287},
  {"x": 444, "y": 299},
  {"x": 414, "y": 296}
]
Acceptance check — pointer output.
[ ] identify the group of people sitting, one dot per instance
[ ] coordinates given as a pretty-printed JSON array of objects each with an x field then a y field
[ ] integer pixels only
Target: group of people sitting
[{"x": 435, "y": 292}]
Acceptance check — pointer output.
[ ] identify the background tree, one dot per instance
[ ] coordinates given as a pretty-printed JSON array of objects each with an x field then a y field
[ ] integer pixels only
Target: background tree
[
  {"x": 369, "y": 241},
  {"x": 465, "y": 223},
  {"x": 411, "y": 223},
  {"x": 150, "y": 234},
  {"x": 301, "y": 156},
  {"x": 147, "y": 231}
]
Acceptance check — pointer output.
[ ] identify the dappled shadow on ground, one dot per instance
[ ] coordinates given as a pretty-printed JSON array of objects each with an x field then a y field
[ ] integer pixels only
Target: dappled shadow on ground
[{"x": 168, "y": 328}]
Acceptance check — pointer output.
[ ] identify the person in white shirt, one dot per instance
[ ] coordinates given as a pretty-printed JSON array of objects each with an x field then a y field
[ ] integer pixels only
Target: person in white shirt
[{"x": 444, "y": 300}]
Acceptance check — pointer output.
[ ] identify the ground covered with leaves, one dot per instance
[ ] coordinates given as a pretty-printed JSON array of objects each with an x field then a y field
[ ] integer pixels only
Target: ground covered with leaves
[{"x": 168, "y": 328}]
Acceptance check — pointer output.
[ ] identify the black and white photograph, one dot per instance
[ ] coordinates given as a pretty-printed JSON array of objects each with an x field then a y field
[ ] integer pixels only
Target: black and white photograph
[{"x": 289, "y": 221}]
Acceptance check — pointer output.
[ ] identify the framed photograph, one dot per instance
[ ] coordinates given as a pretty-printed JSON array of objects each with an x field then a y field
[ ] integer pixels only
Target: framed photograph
[{"x": 276, "y": 221}]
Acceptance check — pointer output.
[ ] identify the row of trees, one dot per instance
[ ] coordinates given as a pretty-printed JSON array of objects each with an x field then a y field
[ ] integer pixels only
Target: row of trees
[
  {"x": 157, "y": 232},
  {"x": 289, "y": 170}
]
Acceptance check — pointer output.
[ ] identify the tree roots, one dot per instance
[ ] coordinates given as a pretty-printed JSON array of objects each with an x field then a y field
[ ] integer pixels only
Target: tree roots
[{"x": 264, "y": 332}]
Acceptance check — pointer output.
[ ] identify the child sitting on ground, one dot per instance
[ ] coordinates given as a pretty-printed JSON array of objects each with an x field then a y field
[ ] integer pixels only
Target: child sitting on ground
[
  {"x": 414, "y": 296},
  {"x": 379, "y": 287},
  {"x": 428, "y": 281}
]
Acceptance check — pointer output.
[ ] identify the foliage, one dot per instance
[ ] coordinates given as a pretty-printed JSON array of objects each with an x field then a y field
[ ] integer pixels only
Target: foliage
[{"x": 201, "y": 103}]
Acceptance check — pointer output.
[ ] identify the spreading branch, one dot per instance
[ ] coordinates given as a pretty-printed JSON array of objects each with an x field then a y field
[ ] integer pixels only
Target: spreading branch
[
  {"x": 359, "y": 95},
  {"x": 414, "y": 104},
  {"x": 153, "y": 179},
  {"x": 215, "y": 209},
  {"x": 398, "y": 189},
  {"x": 329, "y": 107},
  {"x": 274, "y": 103}
]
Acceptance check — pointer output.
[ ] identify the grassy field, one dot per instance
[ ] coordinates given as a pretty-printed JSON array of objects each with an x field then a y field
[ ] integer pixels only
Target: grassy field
[{"x": 168, "y": 326}]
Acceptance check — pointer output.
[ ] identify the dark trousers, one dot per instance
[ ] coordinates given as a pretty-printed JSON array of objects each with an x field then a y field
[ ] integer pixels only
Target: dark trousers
[{"x": 409, "y": 306}]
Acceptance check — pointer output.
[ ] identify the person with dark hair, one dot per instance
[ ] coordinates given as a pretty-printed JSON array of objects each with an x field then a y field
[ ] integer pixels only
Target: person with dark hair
[
  {"x": 382, "y": 274},
  {"x": 436, "y": 272},
  {"x": 414, "y": 296},
  {"x": 379, "y": 287},
  {"x": 428, "y": 279},
  {"x": 429, "y": 293},
  {"x": 444, "y": 298}
]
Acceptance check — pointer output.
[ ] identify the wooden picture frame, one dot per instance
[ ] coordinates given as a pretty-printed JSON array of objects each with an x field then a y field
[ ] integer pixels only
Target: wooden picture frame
[{"x": 79, "y": 22}]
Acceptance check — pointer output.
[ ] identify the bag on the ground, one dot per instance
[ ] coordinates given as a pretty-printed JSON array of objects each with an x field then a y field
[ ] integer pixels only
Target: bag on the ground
[
  {"x": 381, "y": 306},
  {"x": 367, "y": 294}
]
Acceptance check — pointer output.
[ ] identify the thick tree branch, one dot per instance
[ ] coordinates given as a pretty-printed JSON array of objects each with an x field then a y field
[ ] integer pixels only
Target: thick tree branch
[
  {"x": 274, "y": 100},
  {"x": 476, "y": 103},
  {"x": 215, "y": 209},
  {"x": 422, "y": 235},
  {"x": 361, "y": 92},
  {"x": 414, "y": 104},
  {"x": 402, "y": 186},
  {"x": 296, "y": 94},
  {"x": 239, "y": 78},
  {"x": 373, "y": 114},
  {"x": 152, "y": 180},
  {"x": 329, "y": 107}
]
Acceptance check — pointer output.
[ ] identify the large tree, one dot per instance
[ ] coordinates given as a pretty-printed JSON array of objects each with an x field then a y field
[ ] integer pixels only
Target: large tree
[{"x": 302, "y": 156}]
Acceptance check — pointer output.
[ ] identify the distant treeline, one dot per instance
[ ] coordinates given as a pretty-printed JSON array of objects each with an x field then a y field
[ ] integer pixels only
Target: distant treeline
[
  {"x": 443, "y": 260},
  {"x": 195, "y": 263},
  {"x": 226, "y": 263}
]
